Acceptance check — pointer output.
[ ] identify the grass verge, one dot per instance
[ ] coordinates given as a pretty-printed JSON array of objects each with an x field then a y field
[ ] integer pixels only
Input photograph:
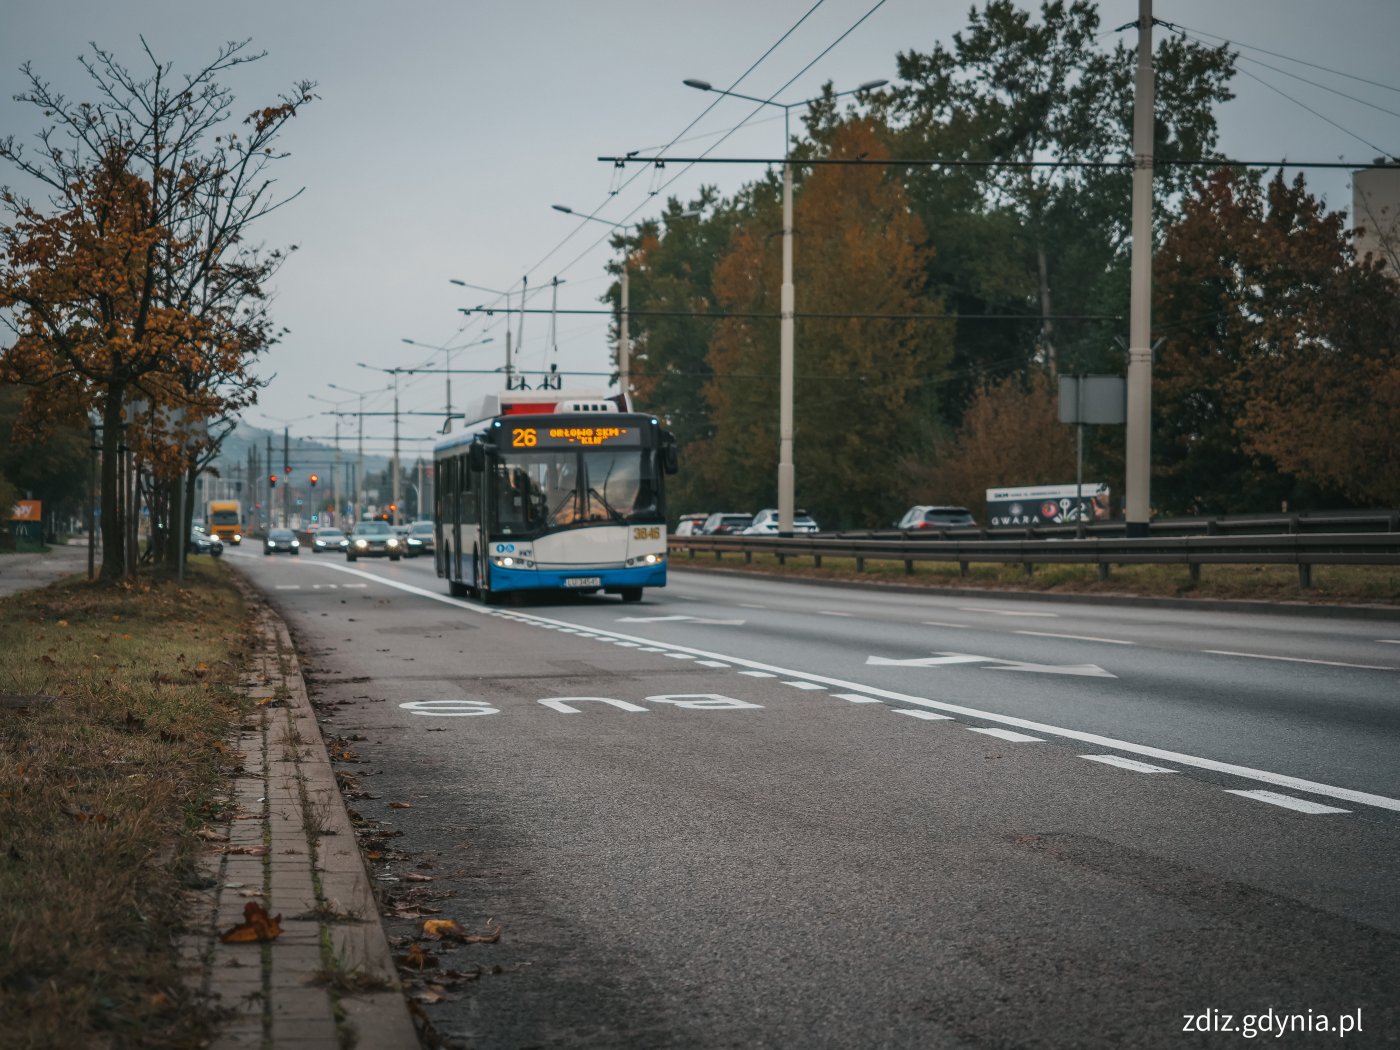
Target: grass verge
[
  {"x": 102, "y": 788},
  {"x": 1331, "y": 584}
]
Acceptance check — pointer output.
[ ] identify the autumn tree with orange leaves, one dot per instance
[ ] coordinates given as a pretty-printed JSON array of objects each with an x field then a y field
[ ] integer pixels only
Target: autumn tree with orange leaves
[
  {"x": 862, "y": 375},
  {"x": 1280, "y": 376},
  {"x": 132, "y": 289}
]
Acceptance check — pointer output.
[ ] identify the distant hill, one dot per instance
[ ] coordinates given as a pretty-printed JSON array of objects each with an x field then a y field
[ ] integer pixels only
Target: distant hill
[{"x": 305, "y": 455}]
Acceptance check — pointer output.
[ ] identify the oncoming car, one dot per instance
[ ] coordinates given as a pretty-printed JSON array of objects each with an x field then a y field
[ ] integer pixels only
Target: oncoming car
[
  {"x": 329, "y": 540},
  {"x": 419, "y": 538},
  {"x": 765, "y": 523},
  {"x": 928, "y": 517},
  {"x": 373, "y": 539},
  {"x": 281, "y": 541}
]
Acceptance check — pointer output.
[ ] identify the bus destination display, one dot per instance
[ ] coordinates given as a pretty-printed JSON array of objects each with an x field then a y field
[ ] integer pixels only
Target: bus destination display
[{"x": 573, "y": 435}]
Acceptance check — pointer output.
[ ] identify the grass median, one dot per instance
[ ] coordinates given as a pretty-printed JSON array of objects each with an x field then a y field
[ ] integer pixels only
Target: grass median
[
  {"x": 115, "y": 704},
  {"x": 1331, "y": 584}
]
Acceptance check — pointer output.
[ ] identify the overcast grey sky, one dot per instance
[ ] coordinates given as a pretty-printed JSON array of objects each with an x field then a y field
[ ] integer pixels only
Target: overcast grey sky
[{"x": 446, "y": 130}]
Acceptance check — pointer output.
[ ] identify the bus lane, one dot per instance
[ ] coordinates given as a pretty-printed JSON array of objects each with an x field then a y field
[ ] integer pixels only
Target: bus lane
[{"x": 684, "y": 850}]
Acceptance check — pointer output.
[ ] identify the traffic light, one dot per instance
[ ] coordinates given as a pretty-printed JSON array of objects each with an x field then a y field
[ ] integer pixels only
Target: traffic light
[
  {"x": 313, "y": 479},
  {"x": 272, "y": 481}
]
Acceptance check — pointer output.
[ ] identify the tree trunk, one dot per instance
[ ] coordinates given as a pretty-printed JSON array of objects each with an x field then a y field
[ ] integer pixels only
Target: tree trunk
[
  {"x": 113, "y": 527},
  {"x": 1047, "y": 327}
]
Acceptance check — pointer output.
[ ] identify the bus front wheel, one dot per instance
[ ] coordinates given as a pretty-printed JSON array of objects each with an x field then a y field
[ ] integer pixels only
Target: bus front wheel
[{"x": 631, "y": 594}]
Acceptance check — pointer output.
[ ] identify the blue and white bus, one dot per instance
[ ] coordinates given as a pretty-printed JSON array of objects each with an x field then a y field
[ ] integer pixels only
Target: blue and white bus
[{"x": 556, "y": 492}]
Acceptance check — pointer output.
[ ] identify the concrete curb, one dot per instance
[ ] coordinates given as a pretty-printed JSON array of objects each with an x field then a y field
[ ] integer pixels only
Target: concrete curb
[{"x": 328, "y": 981}]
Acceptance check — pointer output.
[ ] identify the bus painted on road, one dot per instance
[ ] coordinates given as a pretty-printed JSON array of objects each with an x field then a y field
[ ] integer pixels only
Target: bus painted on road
[{"x": 553, "y": 492}]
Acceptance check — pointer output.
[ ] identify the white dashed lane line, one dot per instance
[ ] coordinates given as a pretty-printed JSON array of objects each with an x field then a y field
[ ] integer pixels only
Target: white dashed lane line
[
  {"x": 1302, "y": 805},
  {"x": 930, "y": 716},
  {"x": 857, "y": 698},
  {"x": 1300, "y": 660},
  {"x": 827, "y": 612},
  {"x": 937, "y": 623},
  {"x": 1128, "y": 763},
  {"x": 1007, "y": 734},
  {"x": 1008, "y": 612},
  {"x": 757, "y": 674},
  {"x": 804, "y": 685},
  {"x": 1076, "y": 637}
]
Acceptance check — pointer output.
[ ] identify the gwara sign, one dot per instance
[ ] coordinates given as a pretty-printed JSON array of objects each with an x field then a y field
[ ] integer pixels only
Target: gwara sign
[{"x": 1047, "y": 505}]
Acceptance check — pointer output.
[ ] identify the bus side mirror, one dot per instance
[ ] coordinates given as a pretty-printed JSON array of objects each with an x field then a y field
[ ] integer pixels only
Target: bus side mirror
[
  {"x": 476, "y": 457},
  {"x": 670, "y": 456}
]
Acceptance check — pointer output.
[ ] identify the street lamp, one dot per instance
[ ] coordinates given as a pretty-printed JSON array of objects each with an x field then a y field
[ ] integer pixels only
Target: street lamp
[
  {"x": 624, "y": 346},
  {"x": 395, "y": 373},
  {"x": 359, "y": 451},
  {"x": 786, "y": 477},
  {"x": 450, "y": 350}
]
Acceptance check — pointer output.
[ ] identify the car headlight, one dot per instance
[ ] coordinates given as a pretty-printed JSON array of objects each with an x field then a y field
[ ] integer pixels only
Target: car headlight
[
  {"x": 361, "y": 543},
  {"x": 393, "y": 542},
  {"x": 272, "y": 543},
  {"x": 413, "y": 542},
  {"x": 296, "y": 543},
  {"x": 345, "y": 543}
]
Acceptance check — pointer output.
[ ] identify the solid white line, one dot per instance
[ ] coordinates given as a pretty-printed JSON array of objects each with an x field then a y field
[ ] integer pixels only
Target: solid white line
[
  {"x": 1302, "y": 805},
  {"x": 935, "y": 623},
  {"x": 1300, "y": 660},
  {"x": 804, "y": 685},
  {"x": 927, "y": 715},
  {"x": 1127, "y": 763},
  {"x": 1389, "y": 641},
  {"x": 1076, "y": 637},
  {"x": 1007, "y": 734},
  {"x": 856, "y": 698},
  {"x": 825, "y": 612},
  {"x": 1263, "y": 776},
  {"x": 743, "y": 606},
  {"x": 1006, "y": 612}
]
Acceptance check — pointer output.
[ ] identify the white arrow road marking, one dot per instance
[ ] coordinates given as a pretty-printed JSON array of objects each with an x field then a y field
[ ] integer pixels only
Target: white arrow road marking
[
  {"x": 1089, "y": 670},
  {"x": 997, "y": 664},
  {"x": 930, "y": 661}
]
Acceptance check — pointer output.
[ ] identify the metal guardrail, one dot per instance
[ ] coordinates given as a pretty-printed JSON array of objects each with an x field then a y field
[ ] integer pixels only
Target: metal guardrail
[{"x": 1301, "y": 549}]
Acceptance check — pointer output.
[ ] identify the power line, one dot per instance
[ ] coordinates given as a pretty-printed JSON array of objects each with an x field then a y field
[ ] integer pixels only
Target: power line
[
  {"x": 815, "y": 316},
  {"x": 960, "y": 162}
]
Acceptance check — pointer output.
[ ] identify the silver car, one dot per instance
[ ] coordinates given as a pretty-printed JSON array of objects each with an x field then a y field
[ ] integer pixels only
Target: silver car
[{"x": 373, "y": 539}]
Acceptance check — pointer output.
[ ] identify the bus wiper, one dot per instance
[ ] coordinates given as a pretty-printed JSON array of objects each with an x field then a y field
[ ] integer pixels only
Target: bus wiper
[
  {"x": 608, "y": 506},
  {"x": 553, "y": 518}
]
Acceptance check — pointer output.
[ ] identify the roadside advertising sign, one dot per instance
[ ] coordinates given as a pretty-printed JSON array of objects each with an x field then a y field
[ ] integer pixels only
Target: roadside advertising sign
[{"x": 1046, "y": 505}]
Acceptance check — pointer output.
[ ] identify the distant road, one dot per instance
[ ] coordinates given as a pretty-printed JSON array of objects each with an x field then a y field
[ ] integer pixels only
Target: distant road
[
  {"x": 20, "y": 572},
  {"x": 757, "y": 814}
]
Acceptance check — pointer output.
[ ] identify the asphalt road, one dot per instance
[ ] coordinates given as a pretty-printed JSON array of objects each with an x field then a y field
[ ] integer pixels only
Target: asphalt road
[{"x": 738, "y": 815}]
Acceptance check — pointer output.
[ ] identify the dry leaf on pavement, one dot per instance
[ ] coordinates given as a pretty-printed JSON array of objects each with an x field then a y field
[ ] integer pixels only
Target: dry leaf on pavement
[{"x": 257, "y": 925}]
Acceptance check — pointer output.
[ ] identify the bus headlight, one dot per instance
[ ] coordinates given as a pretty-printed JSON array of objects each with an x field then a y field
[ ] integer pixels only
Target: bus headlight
[
  {"x": 510, "y": 561},
  {"x": 238, "y": 537},
  {"x": 647, "y": 559}
]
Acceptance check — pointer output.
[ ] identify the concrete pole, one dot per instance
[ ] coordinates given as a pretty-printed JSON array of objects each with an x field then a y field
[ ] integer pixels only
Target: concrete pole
[
  {"x": 1138, "y": 481},
  {"x": 786, "y": 477},
  {"x": 286, "y": 478},
  {"x": 396, "y": 447},
  {"x": 335, "y": 474},
  {"x": 360, "y": 468},
  {"x": 624, "y": 345}
]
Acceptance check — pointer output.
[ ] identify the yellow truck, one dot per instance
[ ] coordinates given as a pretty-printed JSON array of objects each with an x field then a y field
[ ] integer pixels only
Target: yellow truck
[{"x": 224, "y": 518}]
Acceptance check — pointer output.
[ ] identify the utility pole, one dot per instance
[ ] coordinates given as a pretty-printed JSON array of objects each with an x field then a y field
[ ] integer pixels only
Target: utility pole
[
  {"x": 1138, "y": 480},
  {"x": 286, "y": 479},
  {"x": 335, "y": 474},
  {"x": 396, "y": 447},
  {"x": 271, "y": 521}
]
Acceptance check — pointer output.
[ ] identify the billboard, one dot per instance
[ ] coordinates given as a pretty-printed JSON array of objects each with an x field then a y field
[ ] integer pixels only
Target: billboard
[
  {"x": 28, "y": 510},
  {"x": 1047, "y": 505}
]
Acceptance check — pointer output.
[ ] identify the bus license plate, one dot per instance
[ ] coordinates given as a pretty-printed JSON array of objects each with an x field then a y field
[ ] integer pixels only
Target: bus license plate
[{"x": 583, "y": 581}]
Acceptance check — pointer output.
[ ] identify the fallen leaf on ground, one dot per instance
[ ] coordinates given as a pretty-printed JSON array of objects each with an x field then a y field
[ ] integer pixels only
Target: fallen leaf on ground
[
  {"x": 247, "y": 851},
  {"x": 413, "y": 876},
  {"x": 210, "y": 835},
  {"x": 400, "y": 805},
  {"x": 257, "y": 925},
  {"x": 437, "y": 929},
  {"x": 417, "y": 958}
]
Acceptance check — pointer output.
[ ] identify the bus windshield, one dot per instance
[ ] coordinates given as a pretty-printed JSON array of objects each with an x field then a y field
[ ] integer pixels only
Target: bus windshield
[{"x": 543, "y": 491}]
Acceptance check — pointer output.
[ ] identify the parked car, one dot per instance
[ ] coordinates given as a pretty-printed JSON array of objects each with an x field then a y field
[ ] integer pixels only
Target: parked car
[
  {"x": 204, "y": 543},
  {"x": 373, "y": 539},
  {"x": 329, "y": 539},
  {"x": 281, "y": 541},
  {"x": 690, "y": 524},
  {"x": 725, "y": 523},
  {"x": 765, "y": 523},
  {"x": 927, "y": 517},
  {"x": 419, "y": 538}
]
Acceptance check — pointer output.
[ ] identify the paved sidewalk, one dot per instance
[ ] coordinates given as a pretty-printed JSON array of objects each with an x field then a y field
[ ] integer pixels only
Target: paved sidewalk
[
  {"x": 20, "y": 572},
  {"x": 328, "y": 981}
]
